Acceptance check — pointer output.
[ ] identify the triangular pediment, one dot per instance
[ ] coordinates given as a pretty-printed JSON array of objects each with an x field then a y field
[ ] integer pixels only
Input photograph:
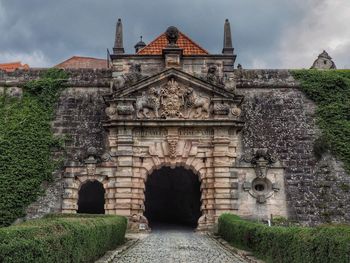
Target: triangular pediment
[
  {"x": 172, "y": 94},
  {"x": 182, "y": 78}
]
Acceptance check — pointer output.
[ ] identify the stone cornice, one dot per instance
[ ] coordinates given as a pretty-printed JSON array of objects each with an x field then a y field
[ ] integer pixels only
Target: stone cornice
[
  {"x": 175, "y": 123},
  {"x": 246, "y": 78}
]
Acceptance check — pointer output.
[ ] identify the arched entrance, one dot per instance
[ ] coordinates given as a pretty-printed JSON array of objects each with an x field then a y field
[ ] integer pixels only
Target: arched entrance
[
  {"x": 173, "y": 196},
  {"x": 91, "y": 198}
]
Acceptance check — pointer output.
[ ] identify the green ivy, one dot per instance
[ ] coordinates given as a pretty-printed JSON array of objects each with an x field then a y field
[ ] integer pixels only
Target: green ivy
[
  {"x": 330, "y": 90},
  {"x": 26, "y": 140}
]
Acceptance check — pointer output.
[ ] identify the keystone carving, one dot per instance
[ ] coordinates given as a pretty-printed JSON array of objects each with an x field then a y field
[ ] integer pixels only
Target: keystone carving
[
  {"x": 261, "y": 159},
  {"x": 91, "y": 161},
  {"x": 172, "y": 145}
]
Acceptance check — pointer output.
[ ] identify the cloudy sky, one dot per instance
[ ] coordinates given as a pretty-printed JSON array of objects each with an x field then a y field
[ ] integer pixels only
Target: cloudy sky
[{"x": 266, "y": 33}]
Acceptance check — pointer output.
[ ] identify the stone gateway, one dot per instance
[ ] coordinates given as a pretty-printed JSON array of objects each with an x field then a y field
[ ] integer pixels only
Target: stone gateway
[
  {"x": 169, "y": 117},
  {"x": 173, "y": 133}
]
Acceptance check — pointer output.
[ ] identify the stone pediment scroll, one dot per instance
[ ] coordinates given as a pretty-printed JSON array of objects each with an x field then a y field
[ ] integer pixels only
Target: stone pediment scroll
[{"x": 173, "y": 96}]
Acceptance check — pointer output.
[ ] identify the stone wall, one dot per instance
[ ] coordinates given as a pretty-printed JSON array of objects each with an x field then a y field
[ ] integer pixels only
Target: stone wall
[
  {"x": 78, "y": 121},
  {"x": 78, "y": 77},
  {"x": 278, "y": 117}
]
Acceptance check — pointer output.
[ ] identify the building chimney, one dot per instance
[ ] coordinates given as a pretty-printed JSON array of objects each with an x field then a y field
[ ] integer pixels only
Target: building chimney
[
  {"x": 227, "y": 49},
  {"x": 118, "y": 43}
]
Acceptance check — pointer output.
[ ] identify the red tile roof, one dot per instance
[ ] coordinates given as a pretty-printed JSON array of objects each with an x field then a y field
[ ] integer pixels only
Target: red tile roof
[
  {"x": 12, "y": 66},
  {"x": 188, "y": 45},
  {"x": 83, "y": 62}
]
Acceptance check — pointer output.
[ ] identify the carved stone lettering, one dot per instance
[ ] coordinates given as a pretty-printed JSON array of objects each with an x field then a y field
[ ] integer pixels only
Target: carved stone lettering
[
  {"x": 150, "y": 132},
  {"x": 195, "y": 132}
]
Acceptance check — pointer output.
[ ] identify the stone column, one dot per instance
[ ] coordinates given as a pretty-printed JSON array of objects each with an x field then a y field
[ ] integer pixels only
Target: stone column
[
  {"x": 221, "y": 163},
  {"x": 123, "y": 175}
]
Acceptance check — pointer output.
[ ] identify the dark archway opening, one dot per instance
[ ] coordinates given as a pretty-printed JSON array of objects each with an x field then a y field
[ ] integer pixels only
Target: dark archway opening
[
  {"x": 91, "y": 198},
  {"x": 173, "y": 196}
]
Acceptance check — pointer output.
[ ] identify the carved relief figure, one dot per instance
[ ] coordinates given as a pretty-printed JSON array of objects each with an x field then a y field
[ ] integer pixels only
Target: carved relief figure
[
  {"x": 261, "y": 159},
  {"x": 213, "y": 76},
  {"x": 199, "y": 104},
  {"x": 148, "y": 101},
  {"x": 130, "y": 78},
  {"x": 221, "y": 109},
  {"x": 134, "y": 75},
  {"x": 172, "y": 100},
  {"x": 172, "y": 35},
  {"x": 111, "y": 111},
  {"x": 236, "y": 112}
]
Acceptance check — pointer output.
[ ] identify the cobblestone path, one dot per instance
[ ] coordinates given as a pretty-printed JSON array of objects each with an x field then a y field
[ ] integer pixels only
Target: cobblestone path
[{"x": 177, "y": 246}]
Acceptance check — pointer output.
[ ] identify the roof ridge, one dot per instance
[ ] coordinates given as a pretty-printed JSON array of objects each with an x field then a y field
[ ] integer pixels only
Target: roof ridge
[
  {"x": 77, "y": 57},
  {"x": 194, "y": 42},
  {"x": 153, "y": 41},
  {"x": 189, "y": 46},
  {"x": 84, "y": 57},
  {"x": 11, "y": 63}
]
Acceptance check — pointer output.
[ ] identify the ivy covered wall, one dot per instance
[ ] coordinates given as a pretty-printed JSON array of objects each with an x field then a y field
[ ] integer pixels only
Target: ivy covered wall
[
  {"x": 330, "y": 90},
  {"x": 305, "y": 122},
  {"x": 26, "y": 142}
]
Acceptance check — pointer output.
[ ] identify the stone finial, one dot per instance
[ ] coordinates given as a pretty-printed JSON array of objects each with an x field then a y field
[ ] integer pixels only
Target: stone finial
[
  {"x": 172, "y": 35},
  {"x": 139, "y": 45},
  {"x": 118, "y": 43},
  {"x": 324, "y": 61},
  {"x": 227, "y": 48}
]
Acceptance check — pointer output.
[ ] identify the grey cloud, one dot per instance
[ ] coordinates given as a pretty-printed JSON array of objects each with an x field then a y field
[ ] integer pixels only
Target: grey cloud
[{"x": 60, "y": 29}]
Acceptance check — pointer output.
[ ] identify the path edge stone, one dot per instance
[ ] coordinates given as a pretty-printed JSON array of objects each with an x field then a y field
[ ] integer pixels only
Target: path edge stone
[
  {"x": 109, "y": 256},
  {"x": 243, "y": 254}
]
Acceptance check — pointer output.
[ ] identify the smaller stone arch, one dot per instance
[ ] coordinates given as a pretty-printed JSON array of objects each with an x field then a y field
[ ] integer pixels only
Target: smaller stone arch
[{"x": 91, "y": 197}]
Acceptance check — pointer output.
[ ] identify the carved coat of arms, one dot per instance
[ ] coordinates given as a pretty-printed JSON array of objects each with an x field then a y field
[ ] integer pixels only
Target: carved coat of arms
[{"x": 172, "y": 100}]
